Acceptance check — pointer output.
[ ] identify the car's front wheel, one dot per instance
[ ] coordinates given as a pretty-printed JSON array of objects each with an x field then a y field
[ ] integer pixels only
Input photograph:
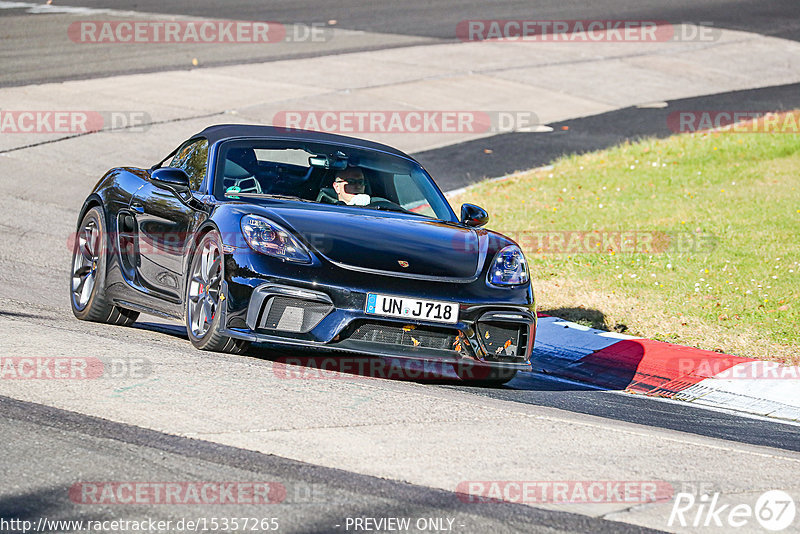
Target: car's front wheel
[
  {"x": 500, "y": 379},
  {"x": 490, "y": 378},
  {"x": 88, "y": 279},
  {"x": 204, "y": 299}
]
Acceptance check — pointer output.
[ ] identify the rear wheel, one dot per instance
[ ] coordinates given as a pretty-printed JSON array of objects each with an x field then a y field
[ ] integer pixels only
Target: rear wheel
[
  {"x": 204, "y": 299},
  {"x": 87, "y": 283}
]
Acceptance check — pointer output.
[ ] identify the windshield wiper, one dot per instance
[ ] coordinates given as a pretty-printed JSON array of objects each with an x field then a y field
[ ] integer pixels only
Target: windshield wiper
[
  {"x": 266, "y": 195},
  {"x": 398, "y": 210}
]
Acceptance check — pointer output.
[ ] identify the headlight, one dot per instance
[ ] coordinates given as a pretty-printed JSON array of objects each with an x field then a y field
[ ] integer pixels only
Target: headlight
[
  {"x": 266, "y": 237},
  {"x": 509, "y": 267}
]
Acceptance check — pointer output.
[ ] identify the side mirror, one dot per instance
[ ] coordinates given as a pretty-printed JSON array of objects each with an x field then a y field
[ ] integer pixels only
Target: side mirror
[
  {"x": 473, "y": 215},
  {"x": 171, "y": 178}
]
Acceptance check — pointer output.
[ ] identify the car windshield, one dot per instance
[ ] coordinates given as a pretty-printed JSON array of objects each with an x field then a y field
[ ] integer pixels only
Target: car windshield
[{"x": 351, "y": 178}]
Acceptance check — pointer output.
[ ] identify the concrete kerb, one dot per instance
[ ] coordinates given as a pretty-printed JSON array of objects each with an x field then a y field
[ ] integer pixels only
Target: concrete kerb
[{"x": 642, "y": 366}]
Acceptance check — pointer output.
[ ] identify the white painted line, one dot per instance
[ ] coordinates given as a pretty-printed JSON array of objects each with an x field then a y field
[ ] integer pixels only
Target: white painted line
[
  {"x": 576, "y": 326},
  {"x": 765, "y": 389},
  {"x": 462, "y": 190},
  {"x": 565, "y": 381},
  {"x": 44, "y": 9},
  {"x": 653, "y": 105},
  {"x": 715, "y": 408},
  {"x": 617, "y": 335},
  {"x": 540, "y": 128}
]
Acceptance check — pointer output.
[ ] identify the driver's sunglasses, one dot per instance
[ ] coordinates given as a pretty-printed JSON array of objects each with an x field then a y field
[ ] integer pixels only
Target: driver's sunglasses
[{"x": 357, "y": 181}]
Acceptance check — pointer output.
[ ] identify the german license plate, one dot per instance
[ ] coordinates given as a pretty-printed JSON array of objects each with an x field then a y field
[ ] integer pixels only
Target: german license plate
[{"x": 411, "y": 308}]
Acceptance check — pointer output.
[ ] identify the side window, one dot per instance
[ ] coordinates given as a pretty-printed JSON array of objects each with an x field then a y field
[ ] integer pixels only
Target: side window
[
  {"x": 193, "y": 159},
  {"x": 410, "y": 196}
]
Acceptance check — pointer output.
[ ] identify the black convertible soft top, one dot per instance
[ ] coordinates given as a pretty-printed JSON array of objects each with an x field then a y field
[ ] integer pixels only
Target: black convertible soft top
[{"x": 219, "y": 132}]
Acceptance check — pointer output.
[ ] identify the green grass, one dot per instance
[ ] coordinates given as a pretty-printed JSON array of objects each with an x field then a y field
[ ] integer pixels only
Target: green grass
[{"x": 735, "y": 196}]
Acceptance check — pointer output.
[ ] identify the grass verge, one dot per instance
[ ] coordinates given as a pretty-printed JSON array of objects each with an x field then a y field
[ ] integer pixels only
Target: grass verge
[{"x": 694, "y": 239}]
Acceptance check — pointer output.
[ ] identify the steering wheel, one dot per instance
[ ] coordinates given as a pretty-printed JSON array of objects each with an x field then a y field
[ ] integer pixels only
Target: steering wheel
[
  {"x": 247, "y": 185},
  {"x": 381, "y": 202}
]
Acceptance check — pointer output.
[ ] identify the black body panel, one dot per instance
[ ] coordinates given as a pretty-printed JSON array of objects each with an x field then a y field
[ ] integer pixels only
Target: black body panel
[{"x": 152, "y": 232}]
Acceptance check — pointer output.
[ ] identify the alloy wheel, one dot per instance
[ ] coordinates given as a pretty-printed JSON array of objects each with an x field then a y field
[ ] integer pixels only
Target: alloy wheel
[
  {"x": 204, "y": 289},
  {"x": 84, "y": 264}
]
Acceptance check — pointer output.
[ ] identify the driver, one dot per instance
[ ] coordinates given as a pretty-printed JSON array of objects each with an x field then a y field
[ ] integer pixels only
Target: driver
[{"x": 349, "y": 186}]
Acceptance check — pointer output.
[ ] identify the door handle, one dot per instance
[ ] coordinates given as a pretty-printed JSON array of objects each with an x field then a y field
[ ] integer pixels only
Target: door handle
[{"x": 137, "y": 208}]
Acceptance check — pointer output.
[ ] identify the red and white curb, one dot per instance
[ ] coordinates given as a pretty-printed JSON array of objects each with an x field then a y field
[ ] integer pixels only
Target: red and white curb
[{"x": 613, "y": 361}]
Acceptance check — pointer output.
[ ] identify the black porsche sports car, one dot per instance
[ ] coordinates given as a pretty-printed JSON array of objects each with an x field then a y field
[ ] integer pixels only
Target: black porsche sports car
[{"x": 303, "y": 239}]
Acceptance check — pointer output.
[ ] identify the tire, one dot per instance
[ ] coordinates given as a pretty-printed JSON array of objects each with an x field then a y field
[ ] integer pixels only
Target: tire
[
  {"x": 496, "y": 382},
  {"x": 203, "y": 290},
  {"x": 497, "y": 378},
  {"x": 88, "y": 274}
]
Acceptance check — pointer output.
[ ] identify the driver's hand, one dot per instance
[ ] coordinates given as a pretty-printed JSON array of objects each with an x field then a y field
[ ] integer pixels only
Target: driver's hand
[{"x": 360, "y": 200}]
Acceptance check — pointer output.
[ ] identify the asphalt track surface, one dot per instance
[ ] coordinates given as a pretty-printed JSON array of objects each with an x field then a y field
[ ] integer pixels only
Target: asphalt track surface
[
  {"x": 541, "y": 390},
  {"x": 461, "y": 164},
  {"x": 34, "y": 51},
  {"x": 544, "y": 390},
  {"x": 29, "y": 41},
  {"x": 56, "y": 447},
  {"x": 439, "y": 19},
  {"x": 317, "y": 499}
]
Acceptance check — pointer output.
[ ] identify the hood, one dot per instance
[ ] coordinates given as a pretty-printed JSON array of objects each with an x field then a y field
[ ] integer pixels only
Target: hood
[{"x": 386, "y": 241}]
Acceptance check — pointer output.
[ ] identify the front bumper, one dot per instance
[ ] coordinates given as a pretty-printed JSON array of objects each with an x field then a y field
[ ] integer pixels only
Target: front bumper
[
  {"x": 323, "y": 307},
  {"x": 333, "y": 318}
]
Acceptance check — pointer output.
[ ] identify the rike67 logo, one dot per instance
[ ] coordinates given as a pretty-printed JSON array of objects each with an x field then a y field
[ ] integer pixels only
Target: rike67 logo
[{"x": 774, "y": 511}]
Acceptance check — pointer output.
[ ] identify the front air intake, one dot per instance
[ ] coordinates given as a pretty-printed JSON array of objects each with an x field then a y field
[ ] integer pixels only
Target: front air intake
[
  {"x": 412, "y": 336},
  {"x": 286, "y": 314},
  {"x": 503, "y": 341}
]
